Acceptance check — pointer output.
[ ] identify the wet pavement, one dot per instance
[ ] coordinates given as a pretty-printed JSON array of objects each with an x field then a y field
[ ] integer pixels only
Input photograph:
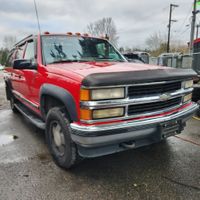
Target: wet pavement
[{"x": 168, "y": 170}]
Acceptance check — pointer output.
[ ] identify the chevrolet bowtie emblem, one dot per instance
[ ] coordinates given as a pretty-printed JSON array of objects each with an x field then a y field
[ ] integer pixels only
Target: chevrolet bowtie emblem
[{"x": 164, "y": 97}]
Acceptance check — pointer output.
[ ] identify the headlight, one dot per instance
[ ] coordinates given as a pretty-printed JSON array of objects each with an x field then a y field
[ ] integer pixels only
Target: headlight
[
  {"x": 108, "y": 113},
  {"x": 188, "y": 84},
  {"x": 102, "y": 94},
  {"x": 101, "y": 113},
  {"x": 112, "y": 93},
  {"x": 187, "y": 97}
]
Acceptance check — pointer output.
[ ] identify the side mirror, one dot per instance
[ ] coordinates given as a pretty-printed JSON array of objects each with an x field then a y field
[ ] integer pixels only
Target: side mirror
[{"x": 24, "y": 64}]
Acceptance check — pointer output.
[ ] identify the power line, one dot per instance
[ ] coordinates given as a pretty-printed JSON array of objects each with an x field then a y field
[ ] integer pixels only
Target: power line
[
  {"x": 37, "y": 16},
  {"x": 184, "y": 31},
  {"x": 161, "y": 11},
  {"x": 181, "y": 26}
]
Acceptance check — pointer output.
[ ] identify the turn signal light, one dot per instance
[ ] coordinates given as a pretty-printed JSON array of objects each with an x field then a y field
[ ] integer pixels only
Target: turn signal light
[
  {"x": 85, "y": 34},
  {"x": 69, "y": 33},
  {"x": 85, "y": 114},
  {"x": 78, "y": 34},
  {"x": 85, "y": 95}
]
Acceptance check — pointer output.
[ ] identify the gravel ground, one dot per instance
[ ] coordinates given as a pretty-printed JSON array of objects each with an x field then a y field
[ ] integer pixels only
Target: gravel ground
[{"x": 168, "y": 170}]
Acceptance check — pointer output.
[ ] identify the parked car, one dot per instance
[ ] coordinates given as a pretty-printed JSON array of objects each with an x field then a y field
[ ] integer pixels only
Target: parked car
[
  {"x": 90, "y": 101},
  {"x": 137, "y": 57},
  {"x": 169, "y": 59},
  {"x": 133, "y": 58}
]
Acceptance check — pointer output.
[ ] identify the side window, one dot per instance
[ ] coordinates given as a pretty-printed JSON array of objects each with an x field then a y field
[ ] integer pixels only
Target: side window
[
  {"x": 10, "y": 58},
  {"x": 101, "y": 49},
  {"x": 30, "y": 51},
  {"x": 20, "y": 52},
  {"x": 106, "y": 51}
]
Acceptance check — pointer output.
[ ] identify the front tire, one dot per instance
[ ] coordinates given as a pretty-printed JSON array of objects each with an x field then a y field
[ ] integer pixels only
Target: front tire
[
  {"x": 198, "y": 113},
  {"x": 58, "y": 136}
]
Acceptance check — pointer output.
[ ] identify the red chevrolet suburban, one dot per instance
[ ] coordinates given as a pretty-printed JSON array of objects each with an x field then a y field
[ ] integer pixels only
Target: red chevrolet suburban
[{"x": 90, "y": 100}]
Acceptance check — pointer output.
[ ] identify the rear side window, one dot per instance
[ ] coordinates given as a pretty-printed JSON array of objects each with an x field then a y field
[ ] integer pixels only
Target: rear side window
[
  {"x": 10, "y": 58},
  {"x": 30, "y": 51}
]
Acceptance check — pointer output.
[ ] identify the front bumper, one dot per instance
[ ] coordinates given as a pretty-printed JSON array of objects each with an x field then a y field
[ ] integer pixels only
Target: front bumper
[{"x": 99, "y": 140}]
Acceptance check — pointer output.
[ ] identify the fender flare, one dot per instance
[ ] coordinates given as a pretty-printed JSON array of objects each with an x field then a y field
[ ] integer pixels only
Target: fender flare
[
  {"x": 61, "y": 94},
  {"x": 8, "y": 86}
]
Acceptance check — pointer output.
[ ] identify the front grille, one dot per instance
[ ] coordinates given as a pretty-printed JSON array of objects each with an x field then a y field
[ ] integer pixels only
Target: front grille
[
  {"x": 153, "y": 107},
  {"x": 153, "y": 89}
]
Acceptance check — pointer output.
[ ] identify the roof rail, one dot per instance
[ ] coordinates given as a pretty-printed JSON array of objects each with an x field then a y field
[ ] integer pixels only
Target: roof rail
[{"x": 23, "y": 39}]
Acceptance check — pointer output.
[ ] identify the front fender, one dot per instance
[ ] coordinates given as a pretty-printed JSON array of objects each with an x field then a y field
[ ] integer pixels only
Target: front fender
[{"x": 62, "y": 95}]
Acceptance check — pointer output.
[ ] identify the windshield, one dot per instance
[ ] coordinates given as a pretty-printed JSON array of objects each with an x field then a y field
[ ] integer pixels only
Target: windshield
[{"x": 76, "y": 49}]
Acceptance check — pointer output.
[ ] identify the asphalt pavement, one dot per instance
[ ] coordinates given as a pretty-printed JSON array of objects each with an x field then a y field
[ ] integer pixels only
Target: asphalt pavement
[{"x": 168, "y": 170}]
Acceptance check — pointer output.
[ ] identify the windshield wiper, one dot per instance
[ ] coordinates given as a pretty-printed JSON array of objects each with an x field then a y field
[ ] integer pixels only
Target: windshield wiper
[
  {"x": 110, "y": 59},
  {"x": 68, "y": 61}
]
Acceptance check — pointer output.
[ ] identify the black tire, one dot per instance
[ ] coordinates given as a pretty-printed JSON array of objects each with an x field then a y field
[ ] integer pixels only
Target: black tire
[
  {"x": 198, "y": 113},
  {"x": 12, "y": 104},
  {"x": 65, "y": 154}
]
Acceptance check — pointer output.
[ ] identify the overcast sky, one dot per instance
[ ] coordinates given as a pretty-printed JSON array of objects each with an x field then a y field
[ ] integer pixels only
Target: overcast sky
[{"x": 135, "y": 20}]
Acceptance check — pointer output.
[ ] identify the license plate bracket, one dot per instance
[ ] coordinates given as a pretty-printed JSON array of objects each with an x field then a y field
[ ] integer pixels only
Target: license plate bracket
[{"x": 171, "y": 128}]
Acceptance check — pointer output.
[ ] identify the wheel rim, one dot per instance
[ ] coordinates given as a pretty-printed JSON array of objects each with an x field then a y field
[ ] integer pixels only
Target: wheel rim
[{"x": 58, "y": 139}]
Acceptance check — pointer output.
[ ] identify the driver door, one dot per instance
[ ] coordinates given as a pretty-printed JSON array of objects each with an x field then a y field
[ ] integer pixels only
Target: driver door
[{"x": 28, "y": 75}]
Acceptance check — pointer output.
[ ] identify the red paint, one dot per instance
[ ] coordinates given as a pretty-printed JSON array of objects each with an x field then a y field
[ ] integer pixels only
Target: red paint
[
  {"x": 196, "y": 41},
  {"x": 65, "y": 75}
]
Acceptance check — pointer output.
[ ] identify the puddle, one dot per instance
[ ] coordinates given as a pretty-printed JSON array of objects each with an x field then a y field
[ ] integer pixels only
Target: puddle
[{"x": 7, "y": 139}]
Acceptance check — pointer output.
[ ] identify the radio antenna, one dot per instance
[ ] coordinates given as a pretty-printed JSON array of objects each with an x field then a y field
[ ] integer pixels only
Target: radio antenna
[{"x": 36, "y": 12}]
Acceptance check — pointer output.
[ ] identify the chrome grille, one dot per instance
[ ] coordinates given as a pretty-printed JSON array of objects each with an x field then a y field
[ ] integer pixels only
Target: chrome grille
[
  {"x": 153, "y": 107},
  {"x": 153, "y": 89}
]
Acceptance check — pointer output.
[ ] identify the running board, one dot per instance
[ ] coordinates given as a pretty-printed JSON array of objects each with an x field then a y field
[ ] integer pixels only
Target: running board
[{"x": 30, "y": 116}]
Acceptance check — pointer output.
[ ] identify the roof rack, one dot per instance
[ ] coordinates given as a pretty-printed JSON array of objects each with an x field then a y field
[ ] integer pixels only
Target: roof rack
[{"x": 23, "y": 39}]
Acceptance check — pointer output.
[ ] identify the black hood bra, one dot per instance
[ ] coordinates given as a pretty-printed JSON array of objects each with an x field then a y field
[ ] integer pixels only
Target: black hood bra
[{"x": 132, "y": 77}]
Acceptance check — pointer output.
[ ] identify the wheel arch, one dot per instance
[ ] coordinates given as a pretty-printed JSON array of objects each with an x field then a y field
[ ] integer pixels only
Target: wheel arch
[
  {"x": 8, "y": 88},
  {"x": 60, "y": 94}
]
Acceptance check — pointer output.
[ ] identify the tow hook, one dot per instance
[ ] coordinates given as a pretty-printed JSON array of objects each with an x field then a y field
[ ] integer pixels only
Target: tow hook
[{"x": 128, "y": 145}]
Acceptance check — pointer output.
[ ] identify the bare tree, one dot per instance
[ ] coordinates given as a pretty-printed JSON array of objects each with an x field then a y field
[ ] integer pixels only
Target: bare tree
[
  {"x": 154, "y": 41},
  {"x": 9, "y": 41},
  {"x": 157, "y": 44},
  {"x": 104, "y": 27}
]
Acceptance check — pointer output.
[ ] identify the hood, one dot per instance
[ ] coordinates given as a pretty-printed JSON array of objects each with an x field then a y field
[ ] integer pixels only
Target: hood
[
  {"x": 86, "y": 68},
  {"x": 107, "y": 73}
]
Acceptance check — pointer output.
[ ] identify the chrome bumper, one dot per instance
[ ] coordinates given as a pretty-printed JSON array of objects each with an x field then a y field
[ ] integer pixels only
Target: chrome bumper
[{"x": 91, "y": 136}]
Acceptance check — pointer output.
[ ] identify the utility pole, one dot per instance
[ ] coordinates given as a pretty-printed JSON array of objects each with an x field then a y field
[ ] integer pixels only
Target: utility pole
[
  {"x": 194, "y": 12},
  {"x": 197, "y": 31},
  {"x": 169, "y": 25}
]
